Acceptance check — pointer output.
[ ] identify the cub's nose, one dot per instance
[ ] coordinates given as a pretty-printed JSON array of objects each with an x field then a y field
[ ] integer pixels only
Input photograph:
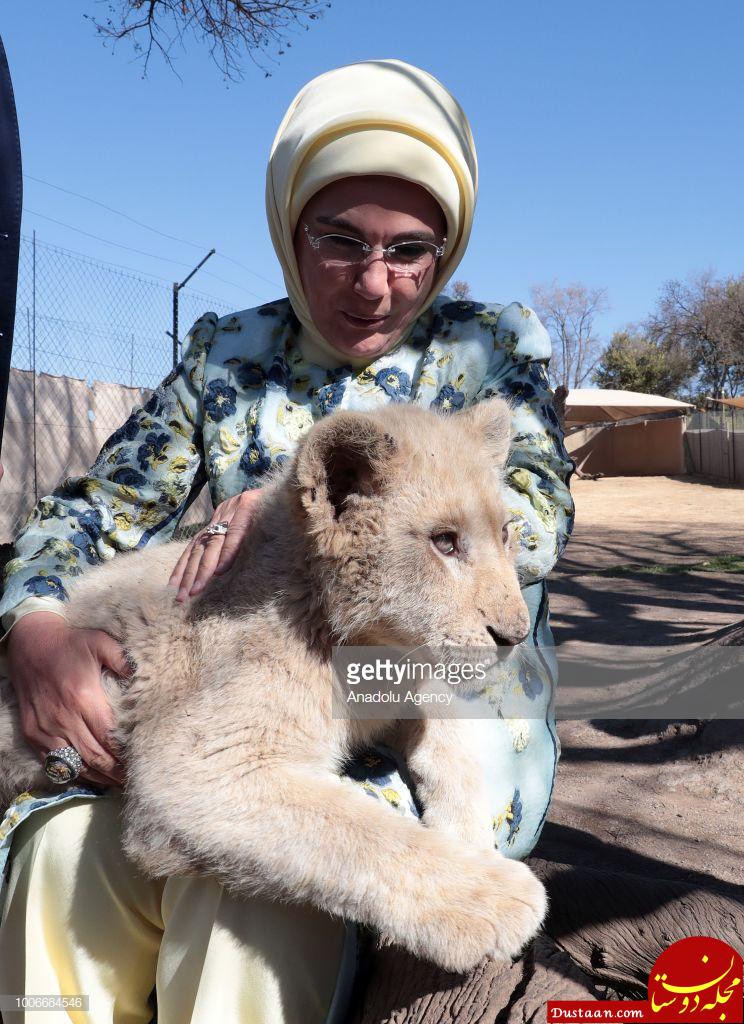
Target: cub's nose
[{"x": 505, "y": 643}]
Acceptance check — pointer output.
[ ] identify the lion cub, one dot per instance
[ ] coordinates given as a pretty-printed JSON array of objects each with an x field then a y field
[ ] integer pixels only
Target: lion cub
[{"x": 385, "y": 528}]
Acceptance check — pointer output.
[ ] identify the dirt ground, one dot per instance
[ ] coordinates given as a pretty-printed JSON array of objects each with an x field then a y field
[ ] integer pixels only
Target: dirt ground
[
  {"x": 653, "y": 798},
  {"x": 646, "y": 521}
]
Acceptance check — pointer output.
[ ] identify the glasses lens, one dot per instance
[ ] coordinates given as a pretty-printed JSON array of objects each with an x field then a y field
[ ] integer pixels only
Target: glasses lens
[
  {"x": 341, "y": 249},
  {"x": 415, "y": 255}
]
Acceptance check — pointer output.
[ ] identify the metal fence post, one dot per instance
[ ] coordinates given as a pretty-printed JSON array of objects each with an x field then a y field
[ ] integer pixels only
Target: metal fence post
[
  {"x": 174, "y": 335},
  {"x": 33, "y": 366},
  {"x": 176, "y": 289}
]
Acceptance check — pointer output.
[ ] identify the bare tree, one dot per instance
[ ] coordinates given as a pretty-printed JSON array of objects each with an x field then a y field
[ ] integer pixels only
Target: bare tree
[
  {"x": 704, "y": 318},
  {"x": 232, "y": 29},
  {"x": 569, "y": 313},
  {"x": 461, "y": 291}
]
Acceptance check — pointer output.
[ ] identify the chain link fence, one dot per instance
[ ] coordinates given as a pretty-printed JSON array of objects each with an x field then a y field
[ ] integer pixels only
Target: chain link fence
[{"x": 91, "y": 340}]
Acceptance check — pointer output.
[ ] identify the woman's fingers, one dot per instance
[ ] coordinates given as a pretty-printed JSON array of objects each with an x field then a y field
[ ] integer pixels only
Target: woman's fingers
[
  {"x": 111, "y": 655},
  {"x": 239, "y": 526},
  {"x": 177, "y": 575},
  {"x": 56, "y": 673},
  {"x": 201, "y": 545},
  {"x": 211, "y": 549},
  {"x": 212, "y": 554},
  {"x": 88, "y": 749},
  {"x": 96, "y": 757}
]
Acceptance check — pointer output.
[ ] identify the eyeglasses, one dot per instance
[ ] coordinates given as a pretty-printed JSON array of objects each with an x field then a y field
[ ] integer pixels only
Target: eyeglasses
[{"x": 407, "y": 257}]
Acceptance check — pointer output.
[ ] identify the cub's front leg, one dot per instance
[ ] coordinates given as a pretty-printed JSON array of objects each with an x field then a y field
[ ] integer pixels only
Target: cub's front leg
[
  {"x": 304, "y": 834},
  {"x": 442, "y": 757}
]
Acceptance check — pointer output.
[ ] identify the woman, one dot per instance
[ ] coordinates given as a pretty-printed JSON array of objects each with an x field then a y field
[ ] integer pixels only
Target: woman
[{"x": 370, "y": 193}]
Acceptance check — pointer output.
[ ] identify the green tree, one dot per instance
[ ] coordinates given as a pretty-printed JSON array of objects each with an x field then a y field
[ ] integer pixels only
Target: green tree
[{"x": 632, "y": 362}]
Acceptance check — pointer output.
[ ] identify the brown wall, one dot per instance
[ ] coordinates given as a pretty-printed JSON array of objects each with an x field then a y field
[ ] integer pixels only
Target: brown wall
[
  {"x": 649, "y": 448},
  {"x": 73, "y": 420}
]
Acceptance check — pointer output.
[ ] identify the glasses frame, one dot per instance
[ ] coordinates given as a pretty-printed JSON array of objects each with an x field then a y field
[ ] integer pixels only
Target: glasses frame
[{"x": 367, "y": 249}]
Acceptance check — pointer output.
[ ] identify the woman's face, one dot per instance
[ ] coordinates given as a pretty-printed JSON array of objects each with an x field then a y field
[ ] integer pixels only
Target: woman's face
[{"x": 363, "y": 310}]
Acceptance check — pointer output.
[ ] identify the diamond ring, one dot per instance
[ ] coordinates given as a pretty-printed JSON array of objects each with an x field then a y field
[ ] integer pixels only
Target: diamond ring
[
  {"x": 63, "y": 765},
  {"x": 216, "y": 529}
]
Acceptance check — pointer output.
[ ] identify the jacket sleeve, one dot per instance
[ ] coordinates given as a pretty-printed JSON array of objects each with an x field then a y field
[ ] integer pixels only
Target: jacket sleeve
[
  {"x": 145, "y": 477},
  {"x": 539, "y": 468}
]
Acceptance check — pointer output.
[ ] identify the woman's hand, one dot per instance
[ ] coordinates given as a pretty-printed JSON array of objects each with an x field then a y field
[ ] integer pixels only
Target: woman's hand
[
  {"x": 213, "y": 554},
  {"x": 55, "y": 671}
]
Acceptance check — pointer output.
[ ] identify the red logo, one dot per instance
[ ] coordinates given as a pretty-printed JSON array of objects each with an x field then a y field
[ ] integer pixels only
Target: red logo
[{"x": 696, "y": 980}]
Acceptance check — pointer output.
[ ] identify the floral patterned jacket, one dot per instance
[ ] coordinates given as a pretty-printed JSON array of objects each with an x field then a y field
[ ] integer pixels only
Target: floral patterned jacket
[{"x": 238, "y": 404}]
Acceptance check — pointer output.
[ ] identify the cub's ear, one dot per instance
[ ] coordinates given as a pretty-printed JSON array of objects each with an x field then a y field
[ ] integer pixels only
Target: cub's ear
[
  {"x": 344, "y": 457},
  {"x": 491, "y": 420}
]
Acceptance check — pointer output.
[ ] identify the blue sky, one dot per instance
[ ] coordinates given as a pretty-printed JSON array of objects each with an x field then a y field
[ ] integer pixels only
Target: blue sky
[{"x": 609, "y": 137}]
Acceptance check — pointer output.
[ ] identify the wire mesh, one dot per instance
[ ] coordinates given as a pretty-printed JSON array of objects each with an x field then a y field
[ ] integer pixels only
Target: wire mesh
[
  {"x": 91, "y": 339},
  {"x": 79, "y": 317}
]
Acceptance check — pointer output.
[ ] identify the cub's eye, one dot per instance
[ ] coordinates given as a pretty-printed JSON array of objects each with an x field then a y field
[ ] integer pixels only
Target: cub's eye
[
  {"x": 505, "y": 529},
  {"x": 446, "y": 542}
]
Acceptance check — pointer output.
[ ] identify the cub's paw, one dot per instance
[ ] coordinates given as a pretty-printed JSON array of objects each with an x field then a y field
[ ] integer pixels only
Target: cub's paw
[
  {"x": 495, "y": 908},
  {"x": 518, "y": 914}
]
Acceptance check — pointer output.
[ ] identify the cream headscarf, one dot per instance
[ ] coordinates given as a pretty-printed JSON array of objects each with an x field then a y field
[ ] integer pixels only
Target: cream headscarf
[{"x": 375, "y": 117}]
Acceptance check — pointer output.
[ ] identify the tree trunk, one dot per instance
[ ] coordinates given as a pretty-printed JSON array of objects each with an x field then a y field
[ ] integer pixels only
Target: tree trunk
[
  {"x": 397, "y": 989},
  {"x": 604, "y": 932},
  {"x": 611, "y": 914}
]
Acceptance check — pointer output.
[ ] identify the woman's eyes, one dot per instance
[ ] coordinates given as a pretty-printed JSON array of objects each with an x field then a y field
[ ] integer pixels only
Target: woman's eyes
[
  {"x": 344, "y": 242},
  {"x": 409, "y": 252},
  {"x": 402, "y": 252}
]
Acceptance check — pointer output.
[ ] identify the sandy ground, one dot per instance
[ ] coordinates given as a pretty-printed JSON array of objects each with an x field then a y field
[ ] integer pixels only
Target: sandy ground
[{"x": 654, "y": 798}]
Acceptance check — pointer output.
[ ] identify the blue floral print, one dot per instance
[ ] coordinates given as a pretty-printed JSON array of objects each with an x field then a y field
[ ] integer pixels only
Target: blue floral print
[
  {"x": 128, "y": 477},
  {"x": 219, "y": 400},
  {"x": 461, "y": 310},
  {"x": 90, "y": 521},
  {"x": 521, "y": 390},
  {"x": 153, "y": 451},
  {"x": 83, "y": 545},
  {"x": 251, "y": 375},
  {"x": 255, "y": 459},
  {"x": 449, "y": 399},
  {"x": 394, "y": 382},
  {"x": 155, "y": 405},
  {"x": 532, "y": 684},
  {"x": 514, "y": 816},
  {"x": 127, "y": 432},
  {"x": 46, "y": 586},
  {"x": 330, "y": 396}
]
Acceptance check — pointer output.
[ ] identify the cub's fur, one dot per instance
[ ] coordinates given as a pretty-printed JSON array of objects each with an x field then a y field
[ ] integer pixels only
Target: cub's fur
[{"x": 232, "y": 693}]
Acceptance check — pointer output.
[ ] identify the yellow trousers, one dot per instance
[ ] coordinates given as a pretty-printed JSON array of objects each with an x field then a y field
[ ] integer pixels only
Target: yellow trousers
[{"x": 80, "y": 919}]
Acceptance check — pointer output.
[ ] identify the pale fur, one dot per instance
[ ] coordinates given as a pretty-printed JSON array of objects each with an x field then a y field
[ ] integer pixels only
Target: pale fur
[{"x": 232, "y": 755}]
